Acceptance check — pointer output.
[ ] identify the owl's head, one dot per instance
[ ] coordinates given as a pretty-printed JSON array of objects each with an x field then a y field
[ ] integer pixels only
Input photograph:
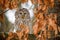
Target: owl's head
[{"x": 22, "y": 14}]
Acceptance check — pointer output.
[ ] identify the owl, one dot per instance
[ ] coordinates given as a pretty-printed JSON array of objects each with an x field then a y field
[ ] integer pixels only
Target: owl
[{"x": 22, "y": 16}]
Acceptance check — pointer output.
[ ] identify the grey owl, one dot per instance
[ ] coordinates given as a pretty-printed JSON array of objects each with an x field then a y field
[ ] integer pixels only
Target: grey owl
[{"x": 22, "y": 17}]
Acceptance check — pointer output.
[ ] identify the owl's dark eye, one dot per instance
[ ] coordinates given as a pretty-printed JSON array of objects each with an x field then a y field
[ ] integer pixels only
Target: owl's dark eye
[
  {"x": 20, "y": 13},
  {"x": 24, "y": 13}
]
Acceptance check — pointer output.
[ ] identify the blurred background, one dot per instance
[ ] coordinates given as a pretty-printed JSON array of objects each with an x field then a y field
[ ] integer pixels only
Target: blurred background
[{"x": 35, "y": 7}]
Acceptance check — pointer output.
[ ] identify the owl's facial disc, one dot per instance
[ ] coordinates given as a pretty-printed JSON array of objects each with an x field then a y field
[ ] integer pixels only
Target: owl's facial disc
[{"x": 22, "y": 15}]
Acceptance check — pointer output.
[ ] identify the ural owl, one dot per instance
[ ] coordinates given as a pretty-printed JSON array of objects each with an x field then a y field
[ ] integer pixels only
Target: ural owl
[{"x": 22, "y": 17}]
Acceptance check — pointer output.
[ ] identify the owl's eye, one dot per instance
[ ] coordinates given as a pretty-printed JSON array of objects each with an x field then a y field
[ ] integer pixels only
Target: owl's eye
[
  {"x": 24, "y": 13},
  {"x": 20, "y": 13}
]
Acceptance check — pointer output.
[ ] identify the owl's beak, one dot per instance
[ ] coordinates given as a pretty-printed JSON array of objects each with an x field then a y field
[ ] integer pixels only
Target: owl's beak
[{"x": 23, "y": 17}]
